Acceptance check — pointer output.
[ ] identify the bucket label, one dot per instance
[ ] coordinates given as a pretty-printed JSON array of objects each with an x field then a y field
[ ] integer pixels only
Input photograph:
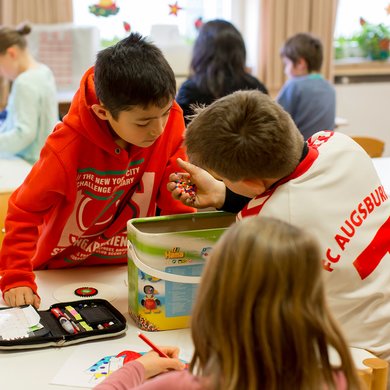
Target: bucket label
[
  {"x": 174, "y": 253},
  {"x": 179, "y": 297}
]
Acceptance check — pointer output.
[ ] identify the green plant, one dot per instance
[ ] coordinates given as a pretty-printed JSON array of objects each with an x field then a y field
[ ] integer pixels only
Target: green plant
[
  {"x": 374, "y": 40},
  {"x": 346, "y": 47}
]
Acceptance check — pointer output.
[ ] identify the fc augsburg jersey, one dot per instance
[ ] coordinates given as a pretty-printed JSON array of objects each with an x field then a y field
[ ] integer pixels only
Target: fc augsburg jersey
[{"x": 336, "y": 194}]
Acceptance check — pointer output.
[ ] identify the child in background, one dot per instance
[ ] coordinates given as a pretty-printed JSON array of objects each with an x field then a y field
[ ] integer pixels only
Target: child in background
[
  {"x": 327, "y": 185},
  {"x": 306, "y": 95},
  {"x": 264, "y": 328},
  {"x": 32, "y": 108},
  {"x": 109, "y": 161},
  {"x": 217, "y": 67}
]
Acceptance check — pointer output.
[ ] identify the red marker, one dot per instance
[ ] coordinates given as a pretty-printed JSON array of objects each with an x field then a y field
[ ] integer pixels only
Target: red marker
[
  {"x": 151, "y": 345},
  {"x": 65, "y": 323}
]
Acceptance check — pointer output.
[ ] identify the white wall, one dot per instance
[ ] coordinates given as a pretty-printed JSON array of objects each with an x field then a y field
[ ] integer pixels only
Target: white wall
[
  {"x": 245, "y": 17},
  {"x": 366, "y": 107}
]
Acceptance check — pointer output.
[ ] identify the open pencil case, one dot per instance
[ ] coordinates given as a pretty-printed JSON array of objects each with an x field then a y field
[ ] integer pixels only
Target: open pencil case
[{"x": 64, "y": 323}]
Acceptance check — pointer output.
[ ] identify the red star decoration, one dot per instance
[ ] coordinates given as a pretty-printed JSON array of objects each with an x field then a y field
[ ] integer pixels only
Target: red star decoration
[{"x": 174, "y": 9}]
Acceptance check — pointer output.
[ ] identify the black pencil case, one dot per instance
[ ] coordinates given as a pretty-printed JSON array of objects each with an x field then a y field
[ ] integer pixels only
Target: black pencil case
[{"x": 84, "y": 320}]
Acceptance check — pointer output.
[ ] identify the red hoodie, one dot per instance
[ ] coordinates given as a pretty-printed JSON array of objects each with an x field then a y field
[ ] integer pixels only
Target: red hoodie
[{"x": 73, "y": 207}]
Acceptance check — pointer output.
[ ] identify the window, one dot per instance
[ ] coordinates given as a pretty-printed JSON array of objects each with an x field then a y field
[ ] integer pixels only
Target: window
[
  {"x": 174, "y": 34},
  {"x": 350, "y": 11},
  {"x": 142, "y": 15},
  {"x": 351, "y": 39}
]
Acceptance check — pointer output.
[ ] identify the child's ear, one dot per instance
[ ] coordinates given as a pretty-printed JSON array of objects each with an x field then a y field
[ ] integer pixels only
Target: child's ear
[
  {"x": 301, "y": 65},
  {"x": 100, "y": 111},
  {"x": 11, "y": 51}
]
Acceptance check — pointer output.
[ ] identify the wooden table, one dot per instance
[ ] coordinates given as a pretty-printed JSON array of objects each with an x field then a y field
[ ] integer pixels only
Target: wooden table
[{"x": 35, "y": 369}]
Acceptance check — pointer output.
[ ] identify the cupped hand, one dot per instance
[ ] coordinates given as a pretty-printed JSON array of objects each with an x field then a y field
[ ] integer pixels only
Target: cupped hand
[{"x": 209, "y": 192}]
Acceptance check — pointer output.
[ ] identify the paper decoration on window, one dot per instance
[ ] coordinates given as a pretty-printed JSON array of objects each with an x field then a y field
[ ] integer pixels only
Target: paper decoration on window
[
  {"x": 174, "y": 9},
  {"x": 198, "y": 23},
  {"x": 126, "y": 26},
  {"x": 104, "y": 8}
]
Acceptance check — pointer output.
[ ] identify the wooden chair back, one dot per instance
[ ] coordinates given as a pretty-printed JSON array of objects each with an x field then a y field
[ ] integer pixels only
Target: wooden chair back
[
  {"x": 375, "y": 377},
  {"x": 373, "y": 146}
]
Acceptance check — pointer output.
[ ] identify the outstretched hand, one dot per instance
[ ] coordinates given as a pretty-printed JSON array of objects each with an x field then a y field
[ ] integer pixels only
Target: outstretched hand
[
  {"x": 20, "y": 296},
  {"x": 154, "y": 364},
  {"x": 209, "y": 192}
]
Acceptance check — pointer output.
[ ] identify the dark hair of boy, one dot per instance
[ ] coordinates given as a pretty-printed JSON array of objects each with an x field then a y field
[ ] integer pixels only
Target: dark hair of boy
[
  {"x": 219, "y": 56},
  {"x": 11, "y": 36},
  {"x": 244, "y": 135},
  {"x": 306, "y": 46},
  {"x": 133, "y": 72}
]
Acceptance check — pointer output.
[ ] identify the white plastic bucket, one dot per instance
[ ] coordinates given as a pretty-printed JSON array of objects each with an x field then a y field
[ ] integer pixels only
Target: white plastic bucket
[{"x": 147, "y": 269}]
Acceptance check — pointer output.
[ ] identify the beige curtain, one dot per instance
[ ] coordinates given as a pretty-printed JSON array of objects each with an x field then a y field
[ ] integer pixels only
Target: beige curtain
[
  {"x": 13, "y": 12},
  {"x": 279, "y": 19}
]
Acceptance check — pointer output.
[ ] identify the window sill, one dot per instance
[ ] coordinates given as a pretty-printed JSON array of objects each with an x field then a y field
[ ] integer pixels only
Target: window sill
[{"x": 354, "y": 70}]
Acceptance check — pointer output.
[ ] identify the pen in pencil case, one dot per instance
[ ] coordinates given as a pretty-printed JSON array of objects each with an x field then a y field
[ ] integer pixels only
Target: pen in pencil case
[
  {"x": 151, "y": 345},
  {"x": 65, "y": 323}
]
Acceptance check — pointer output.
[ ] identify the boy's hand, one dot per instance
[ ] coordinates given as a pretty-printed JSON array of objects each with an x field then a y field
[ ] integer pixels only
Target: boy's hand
[
  {"x": 154, "y": 364},
  {"x": 209, "y": 192},
  {"x": 19, "y": 296}
]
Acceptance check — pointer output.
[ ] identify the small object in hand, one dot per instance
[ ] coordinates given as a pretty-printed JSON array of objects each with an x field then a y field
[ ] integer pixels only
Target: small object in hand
[{"x": 187, "y": 187}]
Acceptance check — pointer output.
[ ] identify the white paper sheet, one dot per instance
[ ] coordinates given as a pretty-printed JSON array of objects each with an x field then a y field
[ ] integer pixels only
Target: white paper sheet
[
  {"x": 16, "y": 322},
  {"x": 90, "y": 364}
]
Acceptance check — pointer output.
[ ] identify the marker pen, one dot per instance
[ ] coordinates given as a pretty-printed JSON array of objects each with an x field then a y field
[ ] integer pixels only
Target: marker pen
[
  {"x": 151, "y": 345},
  {"x": 65, "y": 323}
]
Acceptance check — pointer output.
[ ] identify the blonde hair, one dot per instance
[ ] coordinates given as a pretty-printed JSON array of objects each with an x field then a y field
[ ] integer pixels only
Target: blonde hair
[
  {"x": 260, "y": 320},
  {"x": 11, "y": 36},
  {"x": 244, "y": 135}
]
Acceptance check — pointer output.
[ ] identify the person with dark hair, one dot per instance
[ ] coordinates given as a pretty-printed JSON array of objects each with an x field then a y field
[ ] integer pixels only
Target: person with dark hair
[
  {"x": 109, "y": 161},
  {"x": 217, "y": 67},
  {"x": 32, "y": 109},
  {"x": 306, "y": 95}
]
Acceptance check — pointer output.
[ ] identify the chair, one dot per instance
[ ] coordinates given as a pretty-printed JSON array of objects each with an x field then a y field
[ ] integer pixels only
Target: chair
[
  {"x": 373, "y": 146},
  {"x": 375, "y": 376}
]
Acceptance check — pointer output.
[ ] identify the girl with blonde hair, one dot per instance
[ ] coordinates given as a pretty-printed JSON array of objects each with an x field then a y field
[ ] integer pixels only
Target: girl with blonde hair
[{"x": 260, "y": 320}]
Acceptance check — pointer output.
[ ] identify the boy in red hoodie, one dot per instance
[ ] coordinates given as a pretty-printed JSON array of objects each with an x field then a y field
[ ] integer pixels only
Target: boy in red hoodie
[{"x": 109, "y": 161}]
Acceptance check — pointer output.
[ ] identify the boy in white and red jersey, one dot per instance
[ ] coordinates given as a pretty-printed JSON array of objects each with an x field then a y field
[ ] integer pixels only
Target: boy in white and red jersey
[
  {"x": 327, "y": 185},
  {"x": 108, "y": 161}
]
